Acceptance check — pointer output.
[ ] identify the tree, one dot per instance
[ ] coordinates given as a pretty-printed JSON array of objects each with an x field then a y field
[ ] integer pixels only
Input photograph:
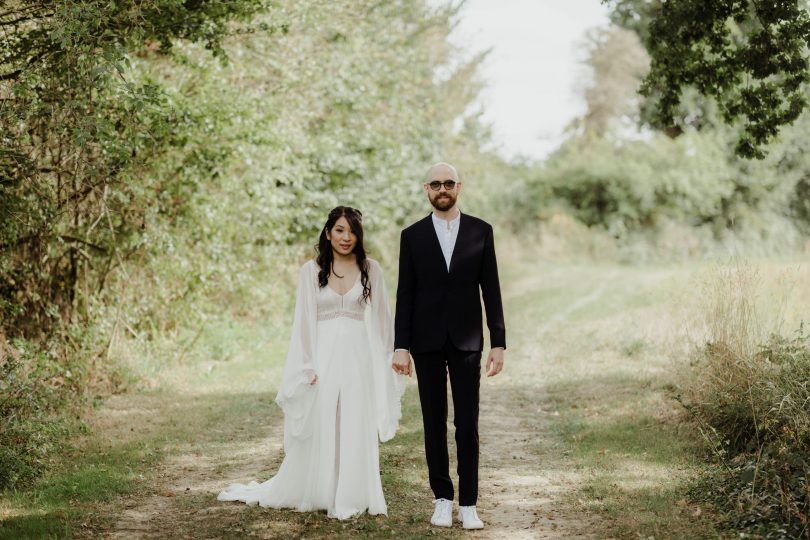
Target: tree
[
  {"x": 76, "y": 130},
  {"x": 750, "y": 55},
  {"x": 618, "y": 62}
]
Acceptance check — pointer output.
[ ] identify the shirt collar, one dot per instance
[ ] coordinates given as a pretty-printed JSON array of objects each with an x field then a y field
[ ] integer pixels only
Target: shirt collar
[{"x": 444, "y": 223}]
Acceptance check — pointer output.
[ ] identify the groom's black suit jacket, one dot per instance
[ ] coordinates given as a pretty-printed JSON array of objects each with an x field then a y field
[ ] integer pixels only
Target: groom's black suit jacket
[{"x": 433, "y": 303}]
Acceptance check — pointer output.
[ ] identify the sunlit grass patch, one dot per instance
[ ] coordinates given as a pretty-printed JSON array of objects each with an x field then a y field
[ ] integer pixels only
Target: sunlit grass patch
[
  {"x": 64, "y": 502},
  {"x": 635, "y": 461},
  {"x": 608, "y": 368}
]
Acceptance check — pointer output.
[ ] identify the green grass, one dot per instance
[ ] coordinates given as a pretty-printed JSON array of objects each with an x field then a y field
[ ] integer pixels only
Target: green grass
[
  {"x": 65, "y": 502},
  {"x": 196, "y": 411},
  {"x": 591, "y": 374},
  {"x": 607, "y": 382}
]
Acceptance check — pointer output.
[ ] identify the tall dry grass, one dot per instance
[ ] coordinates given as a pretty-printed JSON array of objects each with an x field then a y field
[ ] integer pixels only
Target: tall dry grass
[{"x": 748, "y": 388}]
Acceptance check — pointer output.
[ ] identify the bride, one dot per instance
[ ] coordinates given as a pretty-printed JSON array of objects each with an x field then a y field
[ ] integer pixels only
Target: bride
[{"x": 338, "y": 390}]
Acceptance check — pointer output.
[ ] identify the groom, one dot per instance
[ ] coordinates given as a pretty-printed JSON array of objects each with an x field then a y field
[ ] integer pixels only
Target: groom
[{"x": 443, "y": 260}]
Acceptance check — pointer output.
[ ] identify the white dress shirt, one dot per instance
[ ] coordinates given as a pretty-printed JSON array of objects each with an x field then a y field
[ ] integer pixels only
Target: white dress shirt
[{"x": 447, "y": 232}]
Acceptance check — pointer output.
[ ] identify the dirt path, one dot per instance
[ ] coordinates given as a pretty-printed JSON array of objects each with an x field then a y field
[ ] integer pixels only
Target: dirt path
[
  {"x": 211, "y": 437},
  {"x": 193, "y": 473},
  {"x": 521, "y": 484},
  {"x": 522, "y": 473}
]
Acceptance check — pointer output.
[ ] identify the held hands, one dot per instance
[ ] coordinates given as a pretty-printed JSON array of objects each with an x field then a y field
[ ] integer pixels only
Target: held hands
[
  {"x": 495, "y": 361},
  {"x": 402, "y": 363}
]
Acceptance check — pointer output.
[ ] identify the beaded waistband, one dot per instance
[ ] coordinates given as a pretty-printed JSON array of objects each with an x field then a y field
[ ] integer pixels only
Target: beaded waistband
[{"x": 358, "y": 316}]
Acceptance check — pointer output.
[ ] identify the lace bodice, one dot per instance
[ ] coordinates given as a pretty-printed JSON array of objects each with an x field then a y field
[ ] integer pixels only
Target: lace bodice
[{"x": 332, "y": 305}]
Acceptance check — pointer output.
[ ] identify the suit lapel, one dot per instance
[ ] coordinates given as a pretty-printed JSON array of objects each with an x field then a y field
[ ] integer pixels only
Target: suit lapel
[
  {"x": 459, "y": 242},
  {"x": 433, "y": 242}
]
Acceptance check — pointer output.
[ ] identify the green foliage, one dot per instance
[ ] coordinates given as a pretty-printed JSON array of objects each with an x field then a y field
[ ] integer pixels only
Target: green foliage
[
  {"x": 77, "y": 129},
  {"x": 678, "y": 190},
  {"x": 750, "y": 56},
  {"x": 631, "y": 186},
  {"x": 751, "y": 402},
  {"x": 32, "y": 391},
  {"x": 77, "y": 133},
  {"x": 684, "y": 196},
  {"x": 756, "y": 417},
  {"x": 164, "y": 164}
]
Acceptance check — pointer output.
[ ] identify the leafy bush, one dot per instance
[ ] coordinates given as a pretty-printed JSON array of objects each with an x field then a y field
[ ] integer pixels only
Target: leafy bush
[
  {"x": 632, "y": 185},
  {"x": 752, "y": 403},
  {"x": 756, "y": 414},
  {"x": 33, "y": 392},
  {"x": 640, "y": 188}
]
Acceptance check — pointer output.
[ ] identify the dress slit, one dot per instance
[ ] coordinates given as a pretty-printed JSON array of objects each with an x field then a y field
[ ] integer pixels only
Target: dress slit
[{"x": 337, "y": 447}]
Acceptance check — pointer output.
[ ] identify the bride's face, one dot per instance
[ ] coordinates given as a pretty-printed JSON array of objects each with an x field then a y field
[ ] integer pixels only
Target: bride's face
[{"x": 341, "y": 236}]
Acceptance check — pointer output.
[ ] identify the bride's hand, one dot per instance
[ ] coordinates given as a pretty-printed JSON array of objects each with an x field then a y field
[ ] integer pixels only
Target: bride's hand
[
  {"x": 311, "y": 375},
  {"x": 402, "y": 363}
]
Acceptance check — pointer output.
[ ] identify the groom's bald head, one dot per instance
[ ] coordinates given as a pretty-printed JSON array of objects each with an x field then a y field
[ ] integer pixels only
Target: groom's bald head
[
  {"x": 442, "y": 198},
  {"x": 442, "y": 171}
]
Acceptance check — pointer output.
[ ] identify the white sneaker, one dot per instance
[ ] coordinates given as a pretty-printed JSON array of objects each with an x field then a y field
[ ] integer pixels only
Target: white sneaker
[
  {"x": 443, "y": 513},
  {"x": 469, "y": 518}
]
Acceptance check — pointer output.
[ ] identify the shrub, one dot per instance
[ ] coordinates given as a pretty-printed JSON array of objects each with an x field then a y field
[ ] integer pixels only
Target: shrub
[
  {"x": 752, "y": 403},
  {"x": 33, "y": 392}
]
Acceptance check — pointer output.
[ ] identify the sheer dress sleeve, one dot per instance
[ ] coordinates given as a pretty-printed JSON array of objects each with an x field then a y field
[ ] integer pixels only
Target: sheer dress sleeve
[
  {"x": 295, "y": 394},
  {"x": 388, "y": 385}
]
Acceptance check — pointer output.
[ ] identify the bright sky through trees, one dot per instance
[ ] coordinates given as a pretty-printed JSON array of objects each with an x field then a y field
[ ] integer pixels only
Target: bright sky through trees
[{"x": 535, "y": 69}]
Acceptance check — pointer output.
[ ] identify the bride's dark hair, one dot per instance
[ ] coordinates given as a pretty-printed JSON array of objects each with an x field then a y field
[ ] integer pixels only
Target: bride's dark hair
[{"x": 326, "y": 258}]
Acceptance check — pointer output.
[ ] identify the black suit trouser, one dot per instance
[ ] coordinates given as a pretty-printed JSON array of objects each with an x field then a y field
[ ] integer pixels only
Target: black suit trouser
[{"x": 464, "y": 368}]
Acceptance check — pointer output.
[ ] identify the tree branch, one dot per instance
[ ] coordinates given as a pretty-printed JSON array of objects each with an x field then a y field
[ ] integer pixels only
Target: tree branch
[
  {"x": 69, "y": 238},
  {"x": 15, "y": 74},
  {"x": 23, "y": 19}
]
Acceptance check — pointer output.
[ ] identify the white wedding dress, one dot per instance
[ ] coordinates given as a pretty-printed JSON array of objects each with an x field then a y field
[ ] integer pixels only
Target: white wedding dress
[{"x": 331, "y": 455}]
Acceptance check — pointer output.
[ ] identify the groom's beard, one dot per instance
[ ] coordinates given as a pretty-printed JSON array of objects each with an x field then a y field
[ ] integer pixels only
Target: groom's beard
[{"x": 443, "y": 202}]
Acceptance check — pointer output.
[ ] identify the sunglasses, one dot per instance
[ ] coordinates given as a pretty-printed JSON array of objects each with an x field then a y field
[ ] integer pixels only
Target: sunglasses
[{"x": 448, "y": 185}]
